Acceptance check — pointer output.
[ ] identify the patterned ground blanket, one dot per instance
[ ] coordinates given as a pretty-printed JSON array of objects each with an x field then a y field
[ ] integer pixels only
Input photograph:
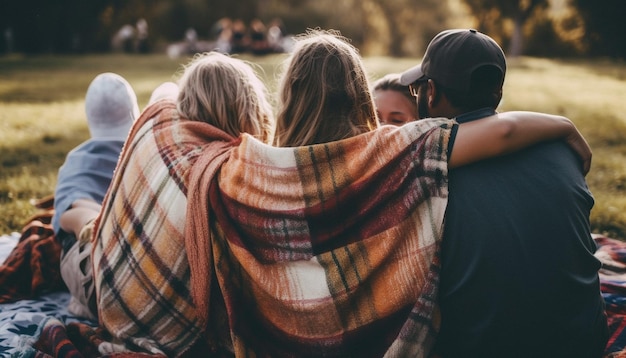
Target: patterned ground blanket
[
  {"x": 32, "y": 267},
  {"x": 612, "y": 253},
  {"x": 21, "y": 322},
  {"x": 40, "y": 326}
]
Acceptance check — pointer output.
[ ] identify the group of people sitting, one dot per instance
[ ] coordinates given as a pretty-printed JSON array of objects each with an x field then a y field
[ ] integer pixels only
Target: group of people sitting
[
  {"x": 234, "y": 37},
  {"x": 212, "y": 224}
]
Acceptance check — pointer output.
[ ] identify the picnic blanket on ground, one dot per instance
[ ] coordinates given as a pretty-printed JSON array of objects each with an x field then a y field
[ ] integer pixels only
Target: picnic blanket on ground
[
  {"x": 612, "y": 254},
  {"x": 32, "y": 267},
  {"x": 21, "y": 323},
  {"x": 27, "y": 323},
  {"x": 31, "y": 287}
]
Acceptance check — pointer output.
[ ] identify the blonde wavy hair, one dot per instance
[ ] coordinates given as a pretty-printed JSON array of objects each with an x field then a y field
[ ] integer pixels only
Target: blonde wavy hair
[
  {"x": 324, "y": 92},
  {"x": 226, "y": 93}
]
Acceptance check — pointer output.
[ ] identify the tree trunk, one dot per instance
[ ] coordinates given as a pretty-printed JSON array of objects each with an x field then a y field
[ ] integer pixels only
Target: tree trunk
[
  {"x": 516, "y": 47},
  {"x": 396, "y": 38}
]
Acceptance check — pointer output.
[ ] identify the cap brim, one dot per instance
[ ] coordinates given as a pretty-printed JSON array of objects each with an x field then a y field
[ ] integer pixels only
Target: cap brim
[{"x": 411, "y": 75}]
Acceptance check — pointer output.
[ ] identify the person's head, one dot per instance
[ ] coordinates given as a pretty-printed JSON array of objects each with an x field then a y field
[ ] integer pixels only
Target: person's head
[
  {"x": 394, "y": 102},
  {"x": 111, "y": 106},
  {"x": 226, "y": 93},
  {"x": 166, "y": 90},
  {"x": 324, "y": 92},
  {"x": 462, "y": 70}
]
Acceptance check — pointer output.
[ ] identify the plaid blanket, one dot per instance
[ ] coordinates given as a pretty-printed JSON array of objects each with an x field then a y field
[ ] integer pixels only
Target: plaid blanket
[
  {"x": 32, "y": 267},
  {"x": 322, "y": 250},
  {"x": 331, "y": 249},
  {"x": 140, "y": 264}
]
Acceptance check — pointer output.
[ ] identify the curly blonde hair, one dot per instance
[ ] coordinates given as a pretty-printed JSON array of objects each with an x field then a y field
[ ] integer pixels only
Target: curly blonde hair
[
  {"x": 226, "y": 93},
  {"x": 324, "y": 92}
]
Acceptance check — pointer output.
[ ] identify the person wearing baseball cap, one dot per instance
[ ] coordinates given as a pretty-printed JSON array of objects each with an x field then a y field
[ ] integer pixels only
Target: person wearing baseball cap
[
  {"x": 111, "y": 108},
  {"x": 518, "y": 275},
  {"x": 467, "y": 66}
]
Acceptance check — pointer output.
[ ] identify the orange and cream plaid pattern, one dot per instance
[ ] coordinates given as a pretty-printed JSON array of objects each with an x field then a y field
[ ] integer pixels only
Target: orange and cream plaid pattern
[{"x": 329, "y": 249}]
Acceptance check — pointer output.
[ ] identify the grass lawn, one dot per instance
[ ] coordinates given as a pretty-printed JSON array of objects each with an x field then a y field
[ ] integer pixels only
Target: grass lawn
[{"x": 42, "y": 117}]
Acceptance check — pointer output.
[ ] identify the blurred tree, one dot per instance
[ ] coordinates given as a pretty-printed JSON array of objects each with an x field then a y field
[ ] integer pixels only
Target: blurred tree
[
  {"x": 557, "y": 32},
  {"x": 553, "y": 37},
  {"x": 243, "y": 9},
  {"x": 377, "y": 27},
  {"x": 37, "y": 26},
  {"x": 604, "y": 26},
  {"x": 299, "y": 15},
  {"x": 168, "y": 22},
  {"x": 492, "y": 13},
  {"x": 402, "y": 27},
  {"x": 51, "y": 26}
]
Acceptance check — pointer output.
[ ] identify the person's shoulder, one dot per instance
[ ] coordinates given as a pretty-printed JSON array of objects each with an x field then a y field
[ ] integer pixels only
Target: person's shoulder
[
  {"x": 554, "y": 159},
  {"x": 557, "y": 150}
]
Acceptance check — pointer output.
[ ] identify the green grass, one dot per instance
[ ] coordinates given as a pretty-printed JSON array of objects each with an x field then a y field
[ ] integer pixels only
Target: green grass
[{"x": 42, "y": 117}]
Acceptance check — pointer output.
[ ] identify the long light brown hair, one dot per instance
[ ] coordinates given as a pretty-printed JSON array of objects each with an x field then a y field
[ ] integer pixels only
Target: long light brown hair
[
  {"x": 226, "y": 93},
  {"x": 324, "y": 92}
]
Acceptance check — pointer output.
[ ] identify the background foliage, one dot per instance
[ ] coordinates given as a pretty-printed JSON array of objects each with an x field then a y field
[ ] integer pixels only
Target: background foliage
[{"x": 379, "y": 27}]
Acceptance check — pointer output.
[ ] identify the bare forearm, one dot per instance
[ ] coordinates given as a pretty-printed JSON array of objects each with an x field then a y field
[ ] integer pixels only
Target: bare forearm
[
  {"x": 74, "y": 219},
  {"x": 511, "y": 131}
]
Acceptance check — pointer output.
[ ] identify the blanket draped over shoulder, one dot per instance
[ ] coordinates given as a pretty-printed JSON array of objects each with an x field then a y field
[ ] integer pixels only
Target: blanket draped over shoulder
[
  {"x": 141, "y": 270},
  {"x": 326, "y": 250}
]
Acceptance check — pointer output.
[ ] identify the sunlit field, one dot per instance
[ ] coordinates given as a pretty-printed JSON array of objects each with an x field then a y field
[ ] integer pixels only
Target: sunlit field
[{"x": 42, "y": 117}]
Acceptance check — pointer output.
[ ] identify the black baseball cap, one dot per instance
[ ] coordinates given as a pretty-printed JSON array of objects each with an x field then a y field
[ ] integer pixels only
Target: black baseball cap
[{"x": 452, "y": 56}]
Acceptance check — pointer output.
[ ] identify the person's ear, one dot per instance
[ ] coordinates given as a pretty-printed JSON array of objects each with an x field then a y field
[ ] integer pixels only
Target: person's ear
[{"x": 432, "y": 94}]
